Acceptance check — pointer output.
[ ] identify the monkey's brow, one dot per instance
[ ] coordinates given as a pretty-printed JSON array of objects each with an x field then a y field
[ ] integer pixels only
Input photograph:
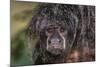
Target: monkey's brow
[{"x": 53, "y": 27}]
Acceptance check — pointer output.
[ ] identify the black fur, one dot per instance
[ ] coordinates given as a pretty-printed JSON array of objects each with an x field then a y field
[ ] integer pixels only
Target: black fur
[{"x": 79, "y": 21}]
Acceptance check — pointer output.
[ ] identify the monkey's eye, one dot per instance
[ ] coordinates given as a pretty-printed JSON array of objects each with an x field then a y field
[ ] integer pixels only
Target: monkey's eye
[
  {"x": 50, "y": 30},
  {"x": 62, "y": 30}
]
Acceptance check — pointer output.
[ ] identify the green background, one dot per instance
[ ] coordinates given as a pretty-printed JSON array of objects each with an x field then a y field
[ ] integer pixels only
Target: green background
[{"x": 21, "y": 14}]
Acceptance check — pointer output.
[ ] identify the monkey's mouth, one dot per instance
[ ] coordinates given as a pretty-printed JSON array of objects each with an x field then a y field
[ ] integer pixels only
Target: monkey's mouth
[
  {"x": 55, "y": 51},
  {"x": 56, "y": 45},
  {"x": 55, "y": 48}
]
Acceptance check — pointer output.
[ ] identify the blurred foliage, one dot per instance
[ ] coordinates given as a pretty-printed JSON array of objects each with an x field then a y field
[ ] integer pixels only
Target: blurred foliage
[{"x": 21, "y": 14}]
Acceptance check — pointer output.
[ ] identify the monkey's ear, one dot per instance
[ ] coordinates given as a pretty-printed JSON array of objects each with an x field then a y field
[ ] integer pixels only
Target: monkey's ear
[{"x": 33, "y": 27}]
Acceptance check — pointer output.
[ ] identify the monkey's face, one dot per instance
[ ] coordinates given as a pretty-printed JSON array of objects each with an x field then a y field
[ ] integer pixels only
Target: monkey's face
[
  {"x": 57, "y": 32},
  {"x": 55, "y": 39}
]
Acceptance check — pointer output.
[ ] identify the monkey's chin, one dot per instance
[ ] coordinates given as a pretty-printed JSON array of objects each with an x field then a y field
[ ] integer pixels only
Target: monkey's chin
[{"x": 56, "y": 51}]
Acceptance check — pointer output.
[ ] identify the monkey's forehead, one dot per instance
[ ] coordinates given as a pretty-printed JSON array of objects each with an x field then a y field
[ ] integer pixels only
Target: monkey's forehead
[{"x": 45, "y": 24}]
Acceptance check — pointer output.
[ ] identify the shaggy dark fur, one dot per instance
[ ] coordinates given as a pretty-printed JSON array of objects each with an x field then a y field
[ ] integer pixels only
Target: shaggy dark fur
[{"x": 79, "y": 22}]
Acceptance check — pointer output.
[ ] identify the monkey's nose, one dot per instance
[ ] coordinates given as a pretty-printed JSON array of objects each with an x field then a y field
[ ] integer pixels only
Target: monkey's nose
[{"x": 55, "y": 40}]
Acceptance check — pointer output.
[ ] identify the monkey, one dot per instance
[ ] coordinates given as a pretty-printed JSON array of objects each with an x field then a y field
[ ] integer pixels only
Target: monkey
[{"x": 66, "y": 33}]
